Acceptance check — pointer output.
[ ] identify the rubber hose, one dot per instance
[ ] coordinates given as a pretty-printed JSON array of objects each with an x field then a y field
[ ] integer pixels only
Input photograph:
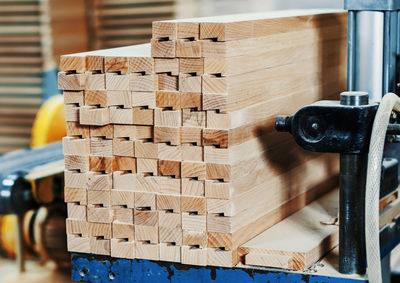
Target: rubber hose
[{"x": 388, "y": 103}]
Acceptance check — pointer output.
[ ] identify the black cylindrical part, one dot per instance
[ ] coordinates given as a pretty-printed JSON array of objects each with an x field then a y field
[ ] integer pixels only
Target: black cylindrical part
[
  {"x": 386, "y": 55},
  {"x": 283, "y": 123},
  {"x": 353, "y": 170}
]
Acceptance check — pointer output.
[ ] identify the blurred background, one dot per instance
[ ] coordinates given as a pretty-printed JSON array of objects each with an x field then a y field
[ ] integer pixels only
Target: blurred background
[{"x": 33, "y": 35}]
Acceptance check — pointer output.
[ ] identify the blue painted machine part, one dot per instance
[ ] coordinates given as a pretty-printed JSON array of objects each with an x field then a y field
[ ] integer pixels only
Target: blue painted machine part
[{"x": 94, "y": 268}]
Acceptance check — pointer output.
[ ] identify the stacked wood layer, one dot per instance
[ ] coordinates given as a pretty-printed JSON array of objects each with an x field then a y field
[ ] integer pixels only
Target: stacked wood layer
[
  {"x": 171, "y": 151},
  {"x": 125, "y": 22},
  {"x": 30, "y": 32},
  {"x": 21, "y": 64}
]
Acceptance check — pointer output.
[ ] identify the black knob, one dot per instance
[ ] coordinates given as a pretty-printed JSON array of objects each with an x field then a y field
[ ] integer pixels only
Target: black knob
[{"x": 283, "y": 123}]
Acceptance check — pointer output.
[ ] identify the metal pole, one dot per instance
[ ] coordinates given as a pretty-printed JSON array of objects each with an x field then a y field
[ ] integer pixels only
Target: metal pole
[
  {"x": 369, "y": 53},
  {"x": 389, "y": 52},
  {"x": 353, "y": 173},
  {"x": 386, "y": 53},
  {"x": 353, "y": 170},
  {"x": 351, "y": 47}
]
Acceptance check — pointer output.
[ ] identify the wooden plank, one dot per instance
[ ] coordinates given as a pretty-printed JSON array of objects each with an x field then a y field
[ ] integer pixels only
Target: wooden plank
[{"x": 315, "y": 238}]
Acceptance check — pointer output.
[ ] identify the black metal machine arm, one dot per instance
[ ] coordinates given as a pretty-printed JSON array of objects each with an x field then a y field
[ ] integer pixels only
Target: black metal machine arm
[{"x": 344, "y": 127}]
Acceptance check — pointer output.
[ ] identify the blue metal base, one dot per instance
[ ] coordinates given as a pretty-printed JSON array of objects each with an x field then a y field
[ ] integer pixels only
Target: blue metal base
[{"x": 93, "y": 268}]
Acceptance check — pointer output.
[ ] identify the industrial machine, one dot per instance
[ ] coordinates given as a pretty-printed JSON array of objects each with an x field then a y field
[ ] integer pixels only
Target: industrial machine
[
  {"x": 355, "y": 125},
  {"x": 31, "y": 186}
]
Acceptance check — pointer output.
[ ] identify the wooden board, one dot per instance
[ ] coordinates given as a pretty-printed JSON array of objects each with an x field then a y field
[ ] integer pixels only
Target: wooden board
[{"x": 300, "y": 240}]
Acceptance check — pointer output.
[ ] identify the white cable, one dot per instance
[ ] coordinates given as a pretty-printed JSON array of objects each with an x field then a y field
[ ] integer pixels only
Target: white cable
[{"x": 388, "y": 103}]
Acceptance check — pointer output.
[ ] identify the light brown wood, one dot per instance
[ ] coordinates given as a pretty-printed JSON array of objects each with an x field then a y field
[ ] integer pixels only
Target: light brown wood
[
  {"x": 192, "y": 66},
  {"x": 122, "y": 198},
  {"x": 72, "y": 81},
  {"x": 76, "y": 195},
  {"x": 75, "y": 179},
  {"x": 168, "y": 99},
  {"x": 76, "y": 129},
  {"x": 76, "y": 162},
  {"x": 76, "y": 146},
  {"x": 170, "y": 135},
  {"x": 76, "y": 243},
  {"x": 140, "y": 82},
  {"x": 167, "y": 118},
  {"x": 101, "y": 147},
  {"x": 99, "y": 181},
  {"x": 76, "y": 211},
  {"x": 315, "y": 237},
  {"x": 192, "y": 187},
  {"x": 169, "y": 252},
  {"x": 74, "y": 97},
  {"x": 193, "y": 255},
  {"x": 100, "y": 246},
  {"x": 148, "y": 251},
  {"x": 143, "y": 116},
  {"x": 143, "y": 99},
  {"x": 99, "y": 197},
  {"x": 106, "y": 131},
  {"x": 100, "y": 214},
  {"x": 166, "y": 65},
  {"x": 101, "y": 163},
  {"x": 121, "y": 248},
  {"x": 145, "y": 201},
  {"x": 167, "y": 82},
  {"x": 90, "y": 115},
  {"x": 170, "y": 203},
  {"x": 123, "y": 147},
  {"x": 77, "y": 227},
  {"x": 123, "y": 180},
  {"x": 146, "y": 233},
  {"x": 162, "y": 48}
]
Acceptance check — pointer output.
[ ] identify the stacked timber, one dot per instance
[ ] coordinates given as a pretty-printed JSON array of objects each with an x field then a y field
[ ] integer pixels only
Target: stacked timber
[
  {"x": 21, "y": 64},
  {"x": 125, "y": 22},
  {"x": 171, "y": 151},
  {"x": 29, "y": 38}
]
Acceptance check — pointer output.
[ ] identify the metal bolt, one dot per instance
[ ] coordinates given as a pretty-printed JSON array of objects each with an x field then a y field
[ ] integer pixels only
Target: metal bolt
[{"x": 354, "y": 98}]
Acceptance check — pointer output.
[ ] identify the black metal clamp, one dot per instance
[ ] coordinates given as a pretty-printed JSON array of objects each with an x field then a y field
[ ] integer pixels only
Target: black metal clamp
[{"x": 344, "y": 127}]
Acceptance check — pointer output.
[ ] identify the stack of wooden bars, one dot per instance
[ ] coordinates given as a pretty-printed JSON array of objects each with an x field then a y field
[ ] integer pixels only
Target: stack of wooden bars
[
  {"x": 125, "y": 22},
  {"x": 171, "y": 151},
  {"x": 31, "y": 33},
  {"x": 21, "y": 70}
]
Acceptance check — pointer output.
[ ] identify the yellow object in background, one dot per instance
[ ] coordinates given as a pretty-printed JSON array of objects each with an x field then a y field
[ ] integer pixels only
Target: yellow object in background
[
  {"x": 49, "y": 126},
  {"x": 50, "y": 123}
]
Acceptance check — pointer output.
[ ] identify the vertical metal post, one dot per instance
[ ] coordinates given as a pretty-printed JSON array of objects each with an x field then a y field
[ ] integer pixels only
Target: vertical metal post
[
  {"x": 351, "y": 47},
  {"x": 353, "y": 172},
  {"x": 353, "y": 169},
  {"x": 386, "y": 53},
  {"x": 389, "y": 52},
  {"x": 369, "y": 53}
]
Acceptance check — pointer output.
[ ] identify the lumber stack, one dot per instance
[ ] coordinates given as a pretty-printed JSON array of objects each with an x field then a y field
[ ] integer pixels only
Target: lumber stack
[
  {"x": 21, "y": 64},
  {"x": 29, "y": 38},
  {"x": 126, "y": 22},
  {"x": 171, "y": 151}
]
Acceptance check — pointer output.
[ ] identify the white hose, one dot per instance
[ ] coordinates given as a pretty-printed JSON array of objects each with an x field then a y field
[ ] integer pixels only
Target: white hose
[{"x": 388, "y": 103}]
